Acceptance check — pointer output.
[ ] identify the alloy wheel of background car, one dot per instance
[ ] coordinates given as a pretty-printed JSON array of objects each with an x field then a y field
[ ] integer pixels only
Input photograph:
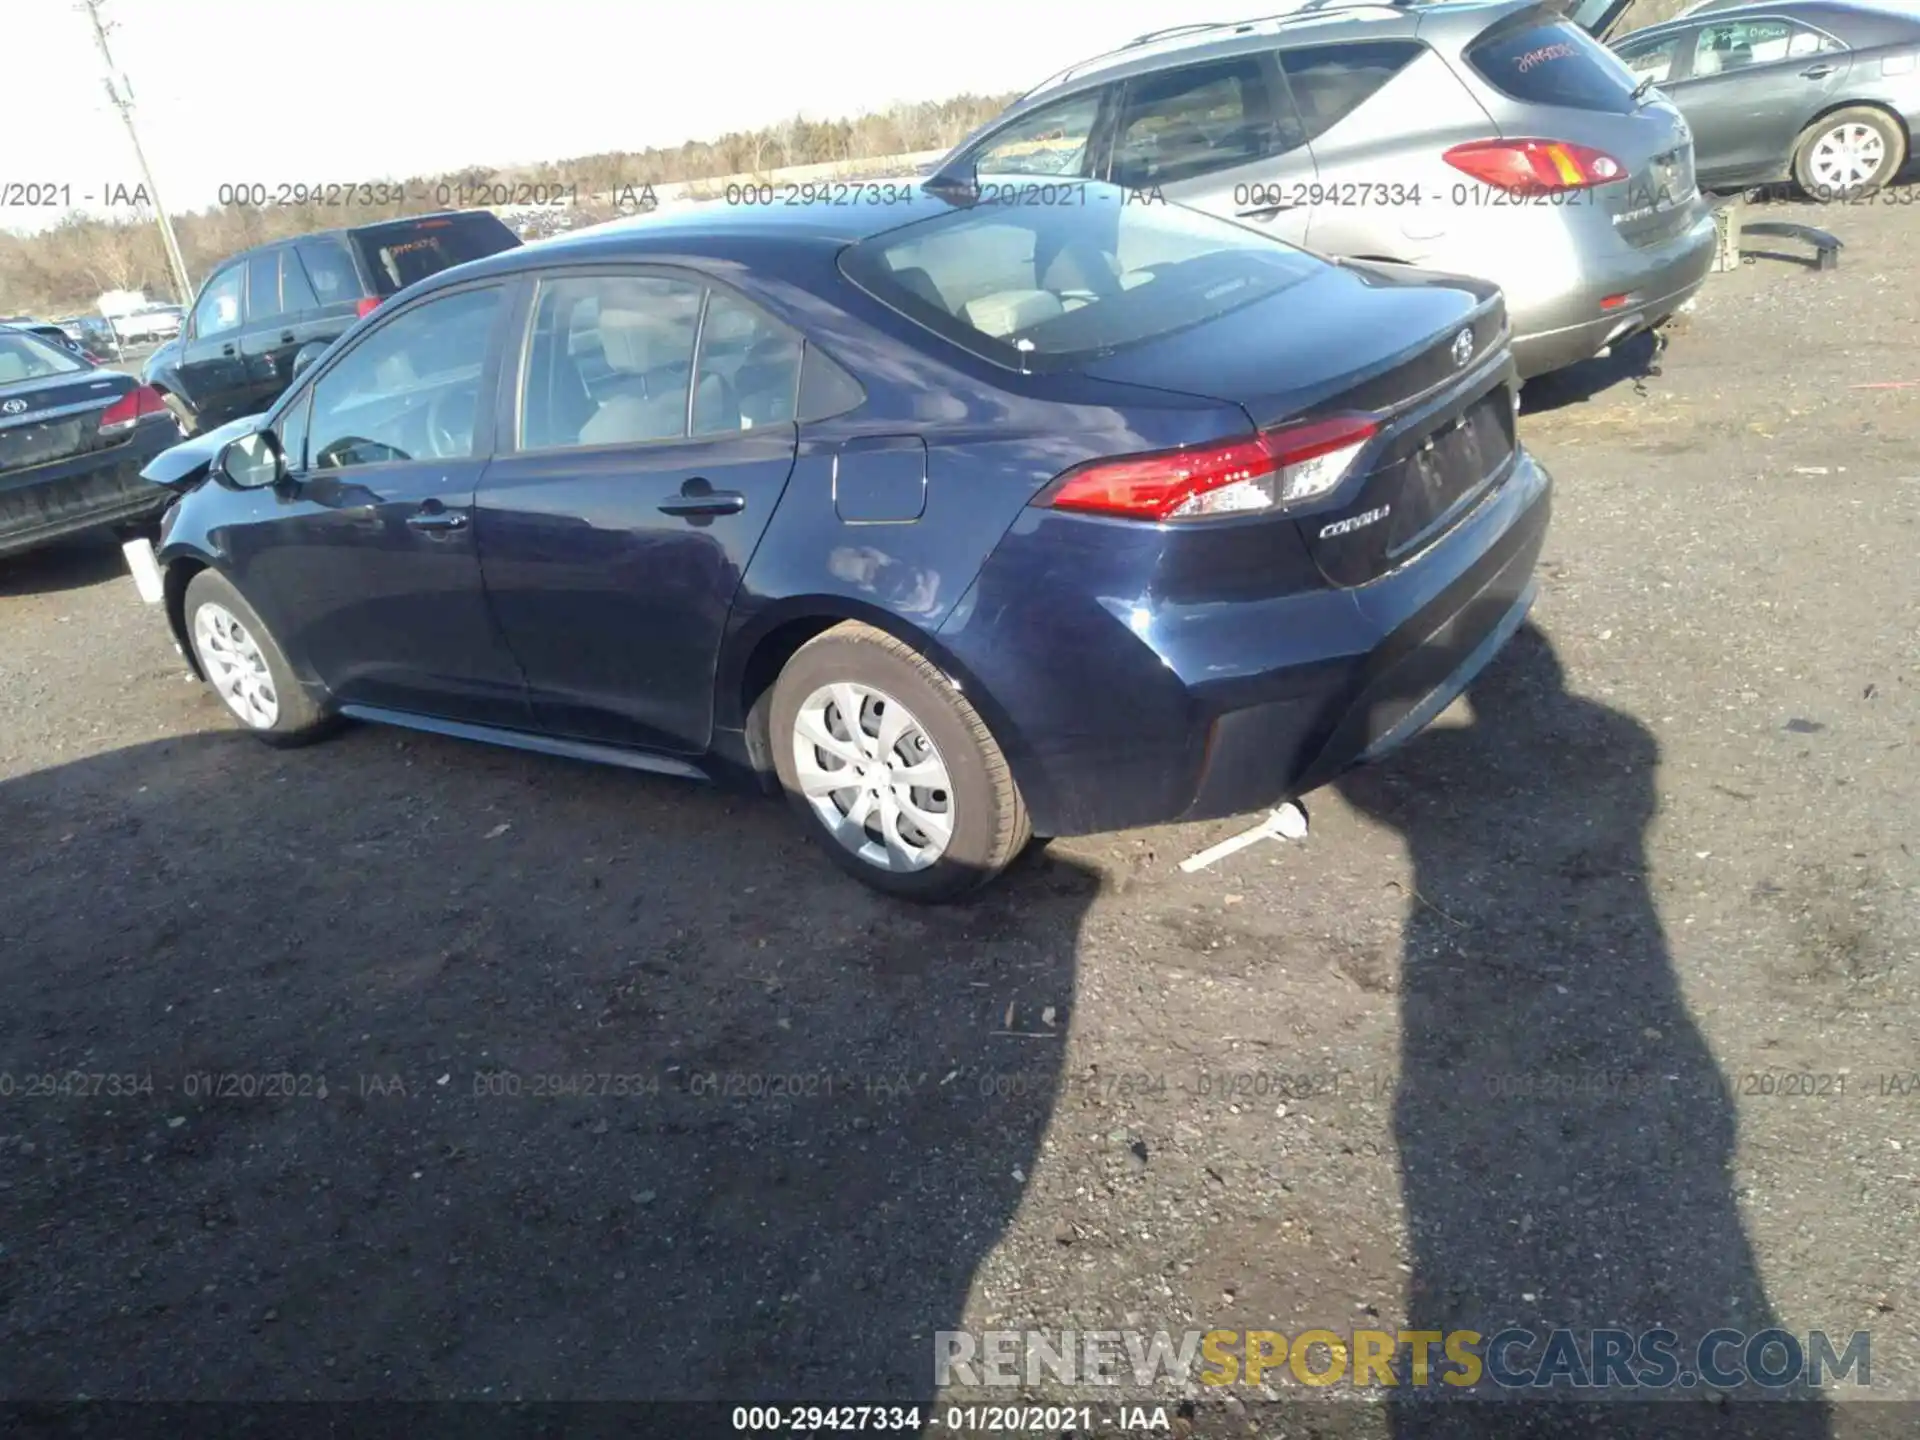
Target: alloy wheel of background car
[
  {"x": 235, "y": 667},
  {"x": 896, "y": 769},
  {"x": 246, "y": 666},
  {"x": 876, "y": 781},
  {"x": 1848, "y": 153}
]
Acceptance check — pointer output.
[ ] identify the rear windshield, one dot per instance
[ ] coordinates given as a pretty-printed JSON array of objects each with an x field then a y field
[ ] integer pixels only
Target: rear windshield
[
  {"x": 1554, "y": 63},
  {"x": 28, "y": 357},
  {"x": 1049, "y": 286},
  {"x": 408, "y": 250}
]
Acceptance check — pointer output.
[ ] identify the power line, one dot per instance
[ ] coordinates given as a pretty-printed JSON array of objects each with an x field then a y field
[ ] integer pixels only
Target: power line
[{"x": 120, "y": 93}]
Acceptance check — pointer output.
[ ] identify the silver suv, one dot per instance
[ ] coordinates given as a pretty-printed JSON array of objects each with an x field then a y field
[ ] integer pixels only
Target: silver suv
[{"x": 1497, "y": 140}]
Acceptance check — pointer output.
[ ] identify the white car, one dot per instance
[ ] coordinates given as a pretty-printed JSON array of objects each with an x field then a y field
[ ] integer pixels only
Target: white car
[{"x": 150, "y": 322}]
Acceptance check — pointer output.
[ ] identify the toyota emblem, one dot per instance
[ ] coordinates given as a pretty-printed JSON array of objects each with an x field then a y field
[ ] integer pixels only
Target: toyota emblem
[
  {"x": 13, "y": 407},
  {"x": 1462, "y": 348}
]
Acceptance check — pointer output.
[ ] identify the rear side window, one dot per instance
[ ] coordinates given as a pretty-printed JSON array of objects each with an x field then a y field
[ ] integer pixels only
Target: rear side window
[
  {"x": 296, "y": 295},
  {"x": 1054, "y": 287},
  {"x": 1736, "y": 44},
  {"x": 1179, "y": 124},
  {"x": 400, "y": 253},
  {"x": 263, "y": 286},
  {"x": 1330, "y": 82},
  {"x": 749, "y": 371},
  {"x": 1553, "y": 64},
  {"x": 329, "y": 270}
]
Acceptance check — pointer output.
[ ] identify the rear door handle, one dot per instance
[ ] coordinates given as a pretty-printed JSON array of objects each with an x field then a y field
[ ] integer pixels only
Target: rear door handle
[
  {"x": 1817, "y": 72},
  {"x": 696, "y": 497},
  {"x": 438, "y": 522},
  {"x": 1266, "y": 212},
  {"x": 286, "y": 337}
]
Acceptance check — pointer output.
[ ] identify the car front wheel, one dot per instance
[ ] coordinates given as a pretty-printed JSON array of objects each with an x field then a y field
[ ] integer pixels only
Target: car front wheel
[
  {"x": 892, "y": 769},
  {"x": 246, "y": 666}
]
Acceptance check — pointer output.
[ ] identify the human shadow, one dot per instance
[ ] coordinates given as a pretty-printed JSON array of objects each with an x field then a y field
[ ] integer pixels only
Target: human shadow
[
  {"x": 398, "y": 1067},
  {"x": 1566, "y": 1140}
]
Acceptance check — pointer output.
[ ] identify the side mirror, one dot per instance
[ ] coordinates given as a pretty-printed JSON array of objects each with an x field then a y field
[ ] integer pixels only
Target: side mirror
[
  {"x": 252, "y": 462},
  {"x": 306, "y": 355}
]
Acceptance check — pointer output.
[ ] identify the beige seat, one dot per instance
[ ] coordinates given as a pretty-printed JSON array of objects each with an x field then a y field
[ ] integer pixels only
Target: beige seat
[
  {"x": 1006, "y": 311},
  {"x": 646, "y": 396}
]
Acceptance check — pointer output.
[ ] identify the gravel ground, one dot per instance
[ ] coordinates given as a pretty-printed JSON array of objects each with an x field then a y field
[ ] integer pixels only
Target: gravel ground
[{"x": 1346, "y": 1082}]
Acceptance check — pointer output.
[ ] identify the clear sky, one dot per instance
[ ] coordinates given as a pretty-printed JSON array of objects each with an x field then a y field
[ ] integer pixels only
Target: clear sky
[{"x": 320, "y": 91}]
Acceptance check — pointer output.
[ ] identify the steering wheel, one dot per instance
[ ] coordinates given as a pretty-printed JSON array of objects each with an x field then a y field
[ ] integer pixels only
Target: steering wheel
[{"x": 450, "y": 417}]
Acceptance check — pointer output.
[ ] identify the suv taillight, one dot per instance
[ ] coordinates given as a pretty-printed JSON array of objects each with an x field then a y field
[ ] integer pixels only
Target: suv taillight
[
  {"x": 1531, "y": 166},
  {"x": 130, "y": 409},
  {"x": 366, "y": 307},
  {"x": 1270, "y": 471}
]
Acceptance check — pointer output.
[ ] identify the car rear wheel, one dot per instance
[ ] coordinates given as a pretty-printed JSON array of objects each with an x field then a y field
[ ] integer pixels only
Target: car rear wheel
[
  {"x": 892, "y": 769},
  {"x": 1849, "y": 153},
  {"x": 246, "y": 666}
]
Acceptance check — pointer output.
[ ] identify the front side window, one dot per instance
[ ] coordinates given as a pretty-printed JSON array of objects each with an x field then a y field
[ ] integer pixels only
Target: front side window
[
  {"x": 1193, "y": 121},
  {"x": 610, "y": 361},
  {"x": 1652, "y": 59},
  {"x": 1053, "y": 287},
  {"x": 1330, "y": 82},
  {"x": 410, "y": 389},
  {"x": 218, "y": 308},
  {"x": 1050, "y": 141}
]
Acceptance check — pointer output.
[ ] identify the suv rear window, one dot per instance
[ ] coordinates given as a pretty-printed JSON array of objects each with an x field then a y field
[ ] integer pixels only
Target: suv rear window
[
  {"x": 403, "y": 251},
  {"x": 1553, "y": 63},
  {"x": 1051, "y": 287}
]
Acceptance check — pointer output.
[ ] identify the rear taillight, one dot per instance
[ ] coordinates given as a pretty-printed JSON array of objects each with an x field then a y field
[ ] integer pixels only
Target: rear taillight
[
  {"x": 1269, "y": 471},
  {"x": 366, "y": 307},
  {"x": 131, "y": 408},
  {"x": 1530, "y": 166}
]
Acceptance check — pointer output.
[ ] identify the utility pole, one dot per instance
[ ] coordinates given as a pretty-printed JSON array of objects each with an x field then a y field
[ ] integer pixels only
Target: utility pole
[{"x": 121, "y": 94}]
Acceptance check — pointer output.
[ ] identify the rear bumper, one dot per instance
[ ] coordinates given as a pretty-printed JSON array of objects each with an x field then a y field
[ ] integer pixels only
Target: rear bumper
[
  {"x": 66, "y": 497},
  {"x": 1199, "y": 712},
  {"x": 1563, "y": 327}
]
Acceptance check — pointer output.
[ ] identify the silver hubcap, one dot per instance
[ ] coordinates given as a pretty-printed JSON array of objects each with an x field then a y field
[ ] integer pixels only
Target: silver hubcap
[
  {"x": 1846, "y": 155},
  {"x": 234, "y": 664},
  {"x": 873, "y": 776}
]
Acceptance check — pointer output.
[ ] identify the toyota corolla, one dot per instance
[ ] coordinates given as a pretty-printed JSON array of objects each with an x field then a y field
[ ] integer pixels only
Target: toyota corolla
[{"x": 958, "y": 517}]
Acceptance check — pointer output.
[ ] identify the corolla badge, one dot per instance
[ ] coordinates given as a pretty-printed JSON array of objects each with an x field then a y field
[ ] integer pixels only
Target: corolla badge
[
  {"x": 13, "y": 407},
  {"x": 1462, "y": 348}
]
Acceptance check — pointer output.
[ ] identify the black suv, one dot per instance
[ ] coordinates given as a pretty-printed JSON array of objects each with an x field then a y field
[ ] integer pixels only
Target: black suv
[{"x": 260, "y": 308}]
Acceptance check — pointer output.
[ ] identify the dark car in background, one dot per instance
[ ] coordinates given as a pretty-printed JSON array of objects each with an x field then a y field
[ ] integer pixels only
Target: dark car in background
[
  {"x": 1818, "y": 92},
  {"x": 966, "y": 521},
  {"x": 73, "y": 440},
  {"x": 94, "y": 334},
  {"x": 260, "y": 308},
  {"x": 57, "y": 334}
]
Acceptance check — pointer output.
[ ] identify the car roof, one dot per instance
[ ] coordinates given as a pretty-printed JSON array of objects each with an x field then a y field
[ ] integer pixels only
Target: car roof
[
  {"x": 1312, "y": 21},
  {"x": 1826, "y": 11},
  {"x": 342, "y": 231},
  {"x": 828, "y": 226}
]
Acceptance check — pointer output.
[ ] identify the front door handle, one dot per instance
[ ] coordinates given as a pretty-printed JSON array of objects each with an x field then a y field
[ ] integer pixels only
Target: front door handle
[
  {"x": 1817, "y": 72},
  {"x": 697, "y": 497},
  {"x": 438, "y": 522},
  {"x": 286, "y": 337}
]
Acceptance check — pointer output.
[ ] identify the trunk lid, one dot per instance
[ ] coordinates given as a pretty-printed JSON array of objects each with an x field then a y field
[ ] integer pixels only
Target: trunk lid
[
  {"x": 1379, "y": 339},
  {"x": 57, "y": 417}
]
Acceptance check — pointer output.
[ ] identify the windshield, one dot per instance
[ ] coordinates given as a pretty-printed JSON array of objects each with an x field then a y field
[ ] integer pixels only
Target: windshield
[
  {"x": 28, "y": 357},
  {"x": 1052, "y": 284}
]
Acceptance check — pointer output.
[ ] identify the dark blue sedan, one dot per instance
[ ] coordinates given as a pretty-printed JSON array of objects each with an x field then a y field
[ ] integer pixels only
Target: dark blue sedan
[{"x": 959, "y": 517}]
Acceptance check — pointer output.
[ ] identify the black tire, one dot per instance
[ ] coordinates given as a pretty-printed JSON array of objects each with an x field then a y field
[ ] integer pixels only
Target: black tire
[
  {"x": 1893, "y": 153},
  {"x": 297, "y": 718},
  {"x": 189, "y": 422},
  {"x": 990, "y": 825}
]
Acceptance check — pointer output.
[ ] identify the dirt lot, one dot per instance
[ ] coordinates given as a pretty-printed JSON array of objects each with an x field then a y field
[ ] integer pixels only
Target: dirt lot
[{"x": 1349, "y": 1082}]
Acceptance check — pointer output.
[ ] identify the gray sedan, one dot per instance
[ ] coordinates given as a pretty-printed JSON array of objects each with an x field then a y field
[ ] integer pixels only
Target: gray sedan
[{"x": 1822, "y": 93}]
